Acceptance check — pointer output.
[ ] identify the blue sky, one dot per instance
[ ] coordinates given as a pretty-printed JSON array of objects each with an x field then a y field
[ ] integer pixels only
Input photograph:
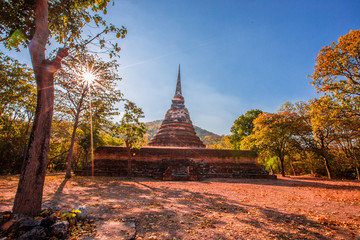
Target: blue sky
[{"x": 235, "y": 55}]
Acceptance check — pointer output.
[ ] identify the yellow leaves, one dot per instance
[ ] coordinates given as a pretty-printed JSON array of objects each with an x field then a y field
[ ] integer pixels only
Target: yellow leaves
[
  {"x": 87, "y": 19},
  {"x": 338, "y": 62},
  {"x": 155, "y": 203}
]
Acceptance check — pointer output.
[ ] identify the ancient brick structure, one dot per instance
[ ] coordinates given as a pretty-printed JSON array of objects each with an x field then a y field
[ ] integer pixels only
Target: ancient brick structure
[
  {"x": 177, "y": 153},
  {"x": 177, "y": 129},
  {"x": 179, "y": 163}
]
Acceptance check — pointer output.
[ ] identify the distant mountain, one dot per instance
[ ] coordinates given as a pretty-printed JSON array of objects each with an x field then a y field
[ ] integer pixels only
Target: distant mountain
[
  {"x": 207, "y": 137},
  {"x": 152, "y": 128}
]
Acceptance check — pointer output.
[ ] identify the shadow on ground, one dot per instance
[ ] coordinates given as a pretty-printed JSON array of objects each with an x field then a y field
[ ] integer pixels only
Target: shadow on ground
[{"x": 165, "y": 210}]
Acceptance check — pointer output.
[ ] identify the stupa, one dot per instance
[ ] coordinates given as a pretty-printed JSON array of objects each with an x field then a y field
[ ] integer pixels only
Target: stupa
[{"x": 177, "y": 129}]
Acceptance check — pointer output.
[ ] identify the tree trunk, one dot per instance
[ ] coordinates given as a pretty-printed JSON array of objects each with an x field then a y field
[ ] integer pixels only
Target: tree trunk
[
  {"x": 292, "y": 167},
  {"x": 327, "y": 167},
  {"x": 71, "y": 148},
  {"x": 85, "y": 159},
  {"x": 28, "y": 198},
  {"x": 271, "y": 170},
  {"x": 309, "y": 163},
  {"x": 30, "y": 189},
  {"x": 357, "y": 169},
  {"x": 282, "y": 166},
  {"x": 128, "y": 149}
]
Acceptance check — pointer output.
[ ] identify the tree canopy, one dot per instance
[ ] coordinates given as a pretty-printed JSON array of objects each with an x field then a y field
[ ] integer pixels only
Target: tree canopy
[
  {"x": 73, "y": 92},
  {"x": 337, "y": 71},
  {"x": 67, "y": 21},
  {"x": 243, "y": 126}
]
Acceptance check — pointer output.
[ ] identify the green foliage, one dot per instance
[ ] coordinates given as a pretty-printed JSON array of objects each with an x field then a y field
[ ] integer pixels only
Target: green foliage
[
  {"x": 130, "y": 129},
  {"x": 17, "y": 90},
  {"x": 243, "y": 126},
  {"x": 68, "y": 21}
]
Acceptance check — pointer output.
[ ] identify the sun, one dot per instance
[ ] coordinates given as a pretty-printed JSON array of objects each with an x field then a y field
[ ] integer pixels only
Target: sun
[{"x": 89, "y": 77}]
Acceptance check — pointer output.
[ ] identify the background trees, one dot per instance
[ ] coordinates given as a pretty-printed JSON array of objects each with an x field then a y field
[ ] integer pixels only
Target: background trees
[
  {"x": 337, "y": 74},
  {"x": 320, "y": 136},
  {"x": 17, "y": 104}
]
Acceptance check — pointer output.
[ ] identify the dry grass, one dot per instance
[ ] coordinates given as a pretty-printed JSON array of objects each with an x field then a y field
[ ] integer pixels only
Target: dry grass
[{"x": 287, "y": 208}]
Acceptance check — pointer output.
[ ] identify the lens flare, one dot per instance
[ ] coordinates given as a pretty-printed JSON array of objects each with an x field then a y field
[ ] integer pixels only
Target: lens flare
[{"x": 89, "y": 77}]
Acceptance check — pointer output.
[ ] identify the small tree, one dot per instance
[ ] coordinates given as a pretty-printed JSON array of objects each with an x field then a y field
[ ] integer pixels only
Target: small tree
[
  {"x": 131, "y": 130},
  {"x": 243, "y": 126},
  {"x": 272, "y": 136},
  {"x": 72, "y": 94},
  {"x": 323, "y": 114}
]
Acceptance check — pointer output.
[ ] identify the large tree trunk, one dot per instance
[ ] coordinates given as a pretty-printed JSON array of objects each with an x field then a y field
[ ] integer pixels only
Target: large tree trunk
[
  {"x": 28, "y": 198},
  {"x": 71, "y": 148},
  {"x": 30, "y": 189}
]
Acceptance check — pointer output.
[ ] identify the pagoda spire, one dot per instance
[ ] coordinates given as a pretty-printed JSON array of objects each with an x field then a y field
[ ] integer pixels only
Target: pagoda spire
[
  {"x": 176, "y": 129},
  {"x": 178, "y": 93}
]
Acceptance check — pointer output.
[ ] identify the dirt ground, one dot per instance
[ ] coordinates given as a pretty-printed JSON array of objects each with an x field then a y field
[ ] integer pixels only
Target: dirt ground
[{"x": 287, "y": 208}]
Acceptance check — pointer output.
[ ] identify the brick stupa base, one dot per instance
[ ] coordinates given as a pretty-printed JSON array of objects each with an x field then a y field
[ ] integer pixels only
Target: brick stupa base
[{"x": 176, "y": 163}]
